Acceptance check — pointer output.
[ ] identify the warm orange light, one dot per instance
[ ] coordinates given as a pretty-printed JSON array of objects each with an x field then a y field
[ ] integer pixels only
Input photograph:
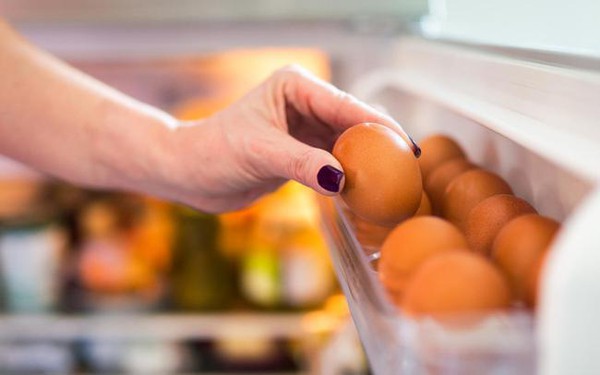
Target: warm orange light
[{"x": 233, "y": 73}]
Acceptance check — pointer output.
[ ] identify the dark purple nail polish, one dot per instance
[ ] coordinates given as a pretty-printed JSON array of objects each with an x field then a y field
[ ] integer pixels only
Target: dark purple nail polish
[
  {"x": 329, "y": 178},
  {"x": 417, "y": 149}
]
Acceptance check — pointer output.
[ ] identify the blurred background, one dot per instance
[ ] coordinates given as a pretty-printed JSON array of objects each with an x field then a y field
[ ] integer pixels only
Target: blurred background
[{"x": 107, "y": 282}]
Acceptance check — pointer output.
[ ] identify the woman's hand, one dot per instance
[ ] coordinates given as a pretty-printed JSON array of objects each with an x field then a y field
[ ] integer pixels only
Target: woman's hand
[
  {"x": 69, "y": 125},
  {"x": 281, "y": 130}
]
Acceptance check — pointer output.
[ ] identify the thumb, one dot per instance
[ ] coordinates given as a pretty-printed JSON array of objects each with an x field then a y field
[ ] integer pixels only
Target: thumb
[{"x": 313, "y": 167}]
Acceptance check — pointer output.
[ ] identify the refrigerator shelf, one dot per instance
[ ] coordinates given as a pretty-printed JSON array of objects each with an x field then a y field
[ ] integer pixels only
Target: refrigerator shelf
[{"x": 151, "y": 326}]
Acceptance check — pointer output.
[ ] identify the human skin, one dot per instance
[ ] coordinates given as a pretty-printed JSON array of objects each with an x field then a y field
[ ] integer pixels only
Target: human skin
[{"x": 68, "y": 125}]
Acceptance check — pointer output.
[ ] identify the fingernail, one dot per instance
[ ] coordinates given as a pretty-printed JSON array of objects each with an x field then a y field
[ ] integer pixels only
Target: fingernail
[
  {"x": 329, "y": 178},
  {"x": 416, "y": 148}
]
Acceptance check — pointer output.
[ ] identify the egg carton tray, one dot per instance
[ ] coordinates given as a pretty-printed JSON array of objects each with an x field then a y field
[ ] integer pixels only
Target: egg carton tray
[
  {"x": 510, "y": 117},
  {"x": 395, "y": 344}
]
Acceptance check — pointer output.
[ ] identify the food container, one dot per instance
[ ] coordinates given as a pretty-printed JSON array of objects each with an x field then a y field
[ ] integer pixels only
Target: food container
[
  {"x": 533, "y": 124},
  {"x": 32, "y": 249}
]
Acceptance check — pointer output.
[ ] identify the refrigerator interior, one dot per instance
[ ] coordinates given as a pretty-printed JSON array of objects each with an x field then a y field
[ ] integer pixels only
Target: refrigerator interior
[
  {"x": 533, "y": 123},
  {"x": 50, "y": 323}
]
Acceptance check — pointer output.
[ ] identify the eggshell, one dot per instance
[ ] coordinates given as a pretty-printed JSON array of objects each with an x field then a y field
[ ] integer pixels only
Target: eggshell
[
  {"x": 424, "y": 206},
  {"x": 489, "y": 216},
  {"x": 412, "y": 242},
  {"x": 467, "y": 190},
  {"x": 519, "y": 244},
  {"x": 369, "y": 235},
  {"x": 375, "y": 264},
  {"x": 383, "y": 180},
  {"x": 532, "y": 280},
  {"x": 456, "y": 282},
  {"x": 438, "y": 180},
  {"x": 437, "y": 149}
]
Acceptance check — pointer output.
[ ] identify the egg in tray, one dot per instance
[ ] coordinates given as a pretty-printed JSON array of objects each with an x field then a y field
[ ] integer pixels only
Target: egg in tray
[
  {"x": 467, "y": 254},
  {"x": 453, "y": 255}
]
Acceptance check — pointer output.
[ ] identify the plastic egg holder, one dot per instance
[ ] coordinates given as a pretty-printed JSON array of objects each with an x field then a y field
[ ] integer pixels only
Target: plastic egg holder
[
  {"x": 548, "y": 164},
  {"x": 461, "y": 344}
]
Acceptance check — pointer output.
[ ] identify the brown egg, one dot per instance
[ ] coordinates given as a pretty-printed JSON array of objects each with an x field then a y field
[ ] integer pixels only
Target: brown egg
[
  {"x": 383, "y": 179},
  {"x": 532, "y": 280},
  {"x": 424, "y": 206},
  {"x": 519, "y": 244},
  {"x": 489, "y": 216},
  {"x": 368, "y": 234},
  {"x": 438, "y": 180},
  {"x": 375, "y": 264},
  {"x": 456, "y": 282},
  {"x": 410, "y": 243},
  {"x": 435, "y": 150},
  {"x": 467, "y": 190}
]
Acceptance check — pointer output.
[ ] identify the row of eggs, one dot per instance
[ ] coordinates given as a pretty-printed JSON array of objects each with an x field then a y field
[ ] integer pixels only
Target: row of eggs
[{"x": 452, "y": 236}]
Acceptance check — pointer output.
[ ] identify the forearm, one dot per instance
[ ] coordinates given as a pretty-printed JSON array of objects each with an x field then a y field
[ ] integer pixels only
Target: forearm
[{"x": 64, "y": 123}]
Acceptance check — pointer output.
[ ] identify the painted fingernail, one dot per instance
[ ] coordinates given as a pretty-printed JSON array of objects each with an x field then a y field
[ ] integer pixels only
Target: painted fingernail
[
  {"x": 416, "y": 148},
  {"x": 330, "y": 178}
]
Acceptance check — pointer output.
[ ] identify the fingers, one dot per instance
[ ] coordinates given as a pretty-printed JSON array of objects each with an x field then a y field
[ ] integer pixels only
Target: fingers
[
  {"x": 313, "y": 97},
  {"x": 313, "y": 167}
]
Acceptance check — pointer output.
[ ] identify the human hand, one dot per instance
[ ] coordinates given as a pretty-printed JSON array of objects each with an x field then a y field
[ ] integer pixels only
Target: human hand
[
  {"x": 281, "y": 130},
  {"x": 95, "y": 136}
]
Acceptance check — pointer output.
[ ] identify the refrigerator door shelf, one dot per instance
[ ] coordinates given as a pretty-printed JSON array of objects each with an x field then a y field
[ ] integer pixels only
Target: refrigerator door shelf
[
  {"x": 532, "y": 124},
  {"x": 395, "y": 344}
]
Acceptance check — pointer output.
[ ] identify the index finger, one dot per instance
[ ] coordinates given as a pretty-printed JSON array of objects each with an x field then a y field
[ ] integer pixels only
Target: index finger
[{"x": 311, "y": 96}]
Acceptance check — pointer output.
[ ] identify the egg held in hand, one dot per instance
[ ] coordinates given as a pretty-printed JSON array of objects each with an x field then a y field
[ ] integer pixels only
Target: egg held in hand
[{"x": 383, "y": 180}]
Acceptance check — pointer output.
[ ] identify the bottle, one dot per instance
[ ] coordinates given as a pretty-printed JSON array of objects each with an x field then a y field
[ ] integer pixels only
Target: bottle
[
  {"x": 260, "y": 276},
  {"x": 286, "y": 265},
  {"x": 306, "y": 275},
  {"x": 201, "y": 276},
  {"x": 111, "y": 268}
]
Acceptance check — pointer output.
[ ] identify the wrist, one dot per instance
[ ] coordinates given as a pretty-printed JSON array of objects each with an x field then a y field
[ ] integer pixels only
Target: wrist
[{"x": 134, "y": 149}]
